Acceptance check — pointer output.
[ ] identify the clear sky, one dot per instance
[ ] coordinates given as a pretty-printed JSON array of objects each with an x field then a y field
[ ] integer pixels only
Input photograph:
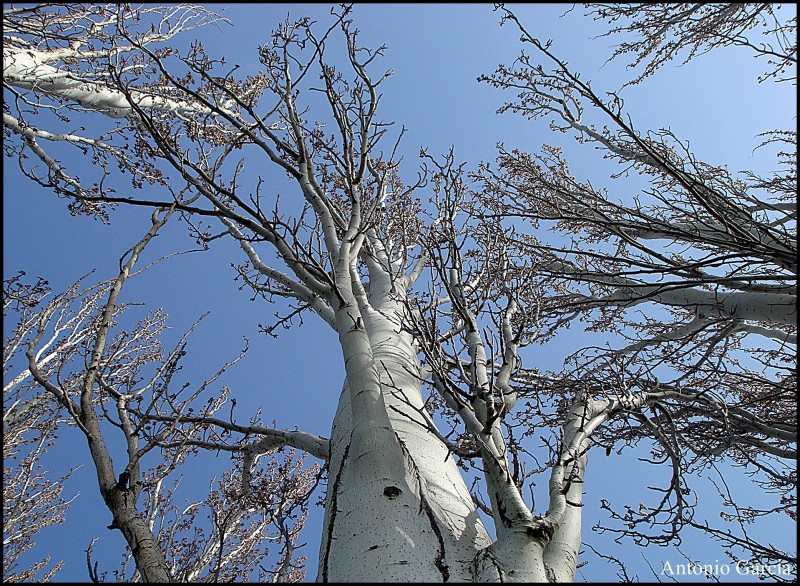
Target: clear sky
[{"x": 436, "y": 51}]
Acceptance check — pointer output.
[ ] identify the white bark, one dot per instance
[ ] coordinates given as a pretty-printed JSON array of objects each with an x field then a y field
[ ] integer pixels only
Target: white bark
[
  {"x": 397, "y": 508},
  {"x": 30, "y": 69},
  {"x": 515, "y": 558},
  {"x": 774, "y": 308},
  {"x": 566, "y": 491}
]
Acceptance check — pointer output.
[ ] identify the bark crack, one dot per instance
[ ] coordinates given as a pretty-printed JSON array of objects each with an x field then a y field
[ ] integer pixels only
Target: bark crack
[
  {"x": 551, "y": 573},
  {"x": 425, "y": 506},
  {"x": 331, "y": 522},
  {"x": 488, "y": 554}
]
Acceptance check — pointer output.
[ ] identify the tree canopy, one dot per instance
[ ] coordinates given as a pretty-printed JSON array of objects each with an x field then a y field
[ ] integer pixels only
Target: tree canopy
[{"x": 461, "y": 447}]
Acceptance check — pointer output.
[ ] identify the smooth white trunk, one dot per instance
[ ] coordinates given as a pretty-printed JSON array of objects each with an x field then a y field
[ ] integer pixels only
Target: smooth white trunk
[
  {"x": 516, "y": 557},
  {"x": 775, "y": 308},
  {"x": 390, "y": 518}
]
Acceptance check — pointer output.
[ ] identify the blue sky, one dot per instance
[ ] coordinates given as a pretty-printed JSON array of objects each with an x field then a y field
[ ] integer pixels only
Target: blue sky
[{"x": 436, "y": 51}]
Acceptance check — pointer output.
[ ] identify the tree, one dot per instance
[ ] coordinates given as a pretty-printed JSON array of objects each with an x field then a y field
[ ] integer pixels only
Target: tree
[
  {"x": 433, "y": 301},
  {"x": 699, "y": 28},
  {"x": 125, "y": 381},
  {"x": 730, "y": 291},
  {"x": 31, "y": 499}
]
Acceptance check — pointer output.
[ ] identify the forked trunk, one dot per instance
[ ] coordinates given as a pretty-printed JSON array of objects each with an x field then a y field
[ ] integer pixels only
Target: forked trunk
[{"x": 397, "y": 508}]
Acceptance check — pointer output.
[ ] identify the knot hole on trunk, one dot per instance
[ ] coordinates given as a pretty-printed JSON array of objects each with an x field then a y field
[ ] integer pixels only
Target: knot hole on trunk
[{"x": 392, "y": 492}]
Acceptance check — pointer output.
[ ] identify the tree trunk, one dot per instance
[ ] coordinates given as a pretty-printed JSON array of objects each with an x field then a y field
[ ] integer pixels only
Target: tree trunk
[
  {"x": 150, "y": 561},
  {"x": 397, "y": 508}
]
